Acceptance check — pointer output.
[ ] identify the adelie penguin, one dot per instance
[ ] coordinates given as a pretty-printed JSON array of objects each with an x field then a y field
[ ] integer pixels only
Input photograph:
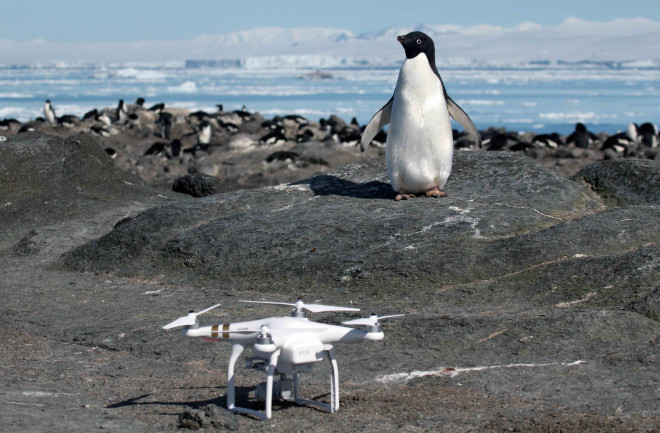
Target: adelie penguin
[
  {"x": 419, "y": 146},
  {"x": 49, "y": 113}
]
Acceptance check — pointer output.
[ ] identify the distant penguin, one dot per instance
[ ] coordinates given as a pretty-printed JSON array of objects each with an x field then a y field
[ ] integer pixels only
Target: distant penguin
[
  {"x": 157, "y": 107},
  {"x": 156, "y": 148},
  {"x": 503, "y": 140},
  {"x": 419, "y": 146},
  {"x": 204, "y": 136},
  {"x": 140, "y": 102},
  {"x": 68, "y": 120},
  {"x": 275, "y": 136},
  {"x": 282, "y": 155},
  {"x": 91, "y": 115},
  {"x": 648, "y": 135},
  {"x": 49, "y": 113},
  {"x": 121, "y": 113},
  {"x": 581, "y": 137},
  {"x": 9, "y": 125},
  {"x": 165, "y": 123},
  {"x": 552, "y": 141},
  {"x": 622, "y": 141},
  {"x": 175, "y": 148},
  {"x": 221, "y": 108},
  {"x": 112, "y": 152},
  {"x": 104, "y": 119},
  {"x": 100, "y": 130}
]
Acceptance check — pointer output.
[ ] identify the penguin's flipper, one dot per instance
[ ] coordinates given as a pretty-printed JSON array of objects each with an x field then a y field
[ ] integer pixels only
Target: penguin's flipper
[
  {"x": 461, "y": 117},
  {"x": 378, "y": 122}
]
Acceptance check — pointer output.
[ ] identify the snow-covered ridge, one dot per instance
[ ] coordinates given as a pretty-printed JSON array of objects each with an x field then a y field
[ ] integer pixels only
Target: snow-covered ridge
[{"x": 619, "y": 42}]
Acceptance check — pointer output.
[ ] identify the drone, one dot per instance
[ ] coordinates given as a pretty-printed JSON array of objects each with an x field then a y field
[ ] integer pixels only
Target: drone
[{"x": 283, "y": 345}]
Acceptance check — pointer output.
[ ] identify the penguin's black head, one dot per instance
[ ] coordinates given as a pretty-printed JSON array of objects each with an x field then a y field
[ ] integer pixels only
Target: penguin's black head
[{"x": 415, "y": 43}]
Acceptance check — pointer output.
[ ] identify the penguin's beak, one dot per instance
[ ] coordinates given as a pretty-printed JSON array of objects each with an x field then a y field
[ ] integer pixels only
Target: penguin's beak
[{"x": 401, "y": 39}]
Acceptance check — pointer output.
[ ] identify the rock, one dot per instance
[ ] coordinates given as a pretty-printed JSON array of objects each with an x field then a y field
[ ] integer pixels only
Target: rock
[
  {"x": 241, "y": 141},
  {"x": 503, "y": 213},
  {"x": 46, "y": 180},
  {"x": 197, "y": 185},
  {"x": 624, "y": 181},
  {"x": 648, "y": 305},
  {"x": 211, "y": 416}
]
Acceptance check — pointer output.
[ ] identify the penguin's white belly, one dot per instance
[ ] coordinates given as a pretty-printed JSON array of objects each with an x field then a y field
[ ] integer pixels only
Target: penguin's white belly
[{"x": 419, "y": 142}]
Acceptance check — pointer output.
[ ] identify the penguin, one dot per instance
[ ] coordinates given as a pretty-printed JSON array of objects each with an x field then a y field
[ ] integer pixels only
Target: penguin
[
  {"x": 165, "y": 122},
  {"x": 104, "y": 119},
  {"x": 275, "y": 136},
  {"x": 10, "y": 125},
  {"x": 419, "y": 146},
  {"x": 551, "y": 141},
  {"x": 157, "y": 107},
  {"x": 581, "y": 137},
  {"x": 648, "y": 135},
  {"x": 68, "y": 120},
  {"x": 90, "y": 115},
  {"x": 282, "y": 155},
  {"x": 204, "y": 136},
  {"x": 100, "y": 131},
  {"x": 49, "y": 113},
  {"x": 156, "y": 148},
  {"x": 111, "y": 152},
  {"x": 621, "y": 142},
  {"x": 121, "y": 113}
]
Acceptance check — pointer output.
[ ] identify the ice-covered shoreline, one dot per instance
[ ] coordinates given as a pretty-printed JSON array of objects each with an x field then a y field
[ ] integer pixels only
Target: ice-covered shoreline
[{"x": 539, "y": 98}]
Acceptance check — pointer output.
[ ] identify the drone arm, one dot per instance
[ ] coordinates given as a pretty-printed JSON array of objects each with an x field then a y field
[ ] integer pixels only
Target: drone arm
[
  {"x": 204, "y": 331},
  {"x": 358, "y": 336}
]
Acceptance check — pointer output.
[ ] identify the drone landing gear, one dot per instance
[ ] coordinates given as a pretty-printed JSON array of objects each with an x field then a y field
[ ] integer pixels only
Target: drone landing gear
[
  {"x": 334, "y": 387},
  {"x": 270, "y": 370}
]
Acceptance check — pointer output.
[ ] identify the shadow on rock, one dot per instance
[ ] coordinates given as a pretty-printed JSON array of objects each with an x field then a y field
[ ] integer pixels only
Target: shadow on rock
[{"x": 332, "y": 185}]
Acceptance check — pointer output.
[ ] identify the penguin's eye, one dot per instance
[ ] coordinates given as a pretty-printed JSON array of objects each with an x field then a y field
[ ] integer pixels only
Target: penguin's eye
[{"x": 419, "y": 41}]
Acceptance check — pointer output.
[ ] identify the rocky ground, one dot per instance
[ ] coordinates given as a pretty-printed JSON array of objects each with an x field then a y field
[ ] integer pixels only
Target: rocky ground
[{"x": 531, "y": 300}]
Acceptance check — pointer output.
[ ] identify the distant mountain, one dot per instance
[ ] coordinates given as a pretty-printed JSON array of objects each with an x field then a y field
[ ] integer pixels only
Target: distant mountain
[{"x": 573, "y": 40}]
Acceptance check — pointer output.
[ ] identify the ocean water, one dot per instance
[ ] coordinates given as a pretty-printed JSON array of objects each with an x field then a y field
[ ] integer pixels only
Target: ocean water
[{"x": 532, "y": 98}]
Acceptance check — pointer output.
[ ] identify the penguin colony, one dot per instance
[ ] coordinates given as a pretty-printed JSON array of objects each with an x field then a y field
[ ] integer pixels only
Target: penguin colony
[{"x": 161, "y": 143}]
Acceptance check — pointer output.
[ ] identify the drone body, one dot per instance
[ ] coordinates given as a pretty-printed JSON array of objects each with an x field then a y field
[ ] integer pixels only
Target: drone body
[{"x": 283, "y": 345}]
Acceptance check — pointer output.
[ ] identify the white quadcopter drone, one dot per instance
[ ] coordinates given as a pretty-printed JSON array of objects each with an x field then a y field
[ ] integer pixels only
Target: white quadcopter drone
[{"x": 283, "y": 345}]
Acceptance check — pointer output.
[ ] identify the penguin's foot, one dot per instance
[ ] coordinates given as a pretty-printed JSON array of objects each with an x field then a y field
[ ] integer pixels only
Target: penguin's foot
[
  {"x": 404, "y": 196},
  {"x": 436, "y": 192}
]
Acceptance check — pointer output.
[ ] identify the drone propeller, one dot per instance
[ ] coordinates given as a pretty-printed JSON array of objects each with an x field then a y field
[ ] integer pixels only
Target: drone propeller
[
  {"x": 189, "y": 319},
  {"x": 371, "y": 320},
  {"x": 314, "y": 308}
]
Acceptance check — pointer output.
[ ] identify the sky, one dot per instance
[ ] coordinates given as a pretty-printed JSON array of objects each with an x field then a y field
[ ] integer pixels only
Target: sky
[{"x": 135, "y": 20}]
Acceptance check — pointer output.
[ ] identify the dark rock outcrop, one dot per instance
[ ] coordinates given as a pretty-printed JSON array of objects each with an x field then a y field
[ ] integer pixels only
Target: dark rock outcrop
[
  {"x": 197, "y": 185},
  {"x": 47, "y": 180},
  {"x": 504, "y": 214},
  {"x": 624, "y": 181}
]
